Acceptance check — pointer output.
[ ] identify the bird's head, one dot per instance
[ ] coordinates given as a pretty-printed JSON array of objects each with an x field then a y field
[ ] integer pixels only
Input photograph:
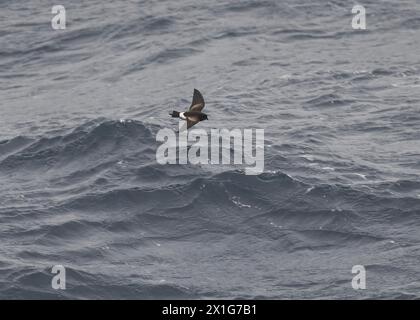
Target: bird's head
[{"x": 204, "y": 117}]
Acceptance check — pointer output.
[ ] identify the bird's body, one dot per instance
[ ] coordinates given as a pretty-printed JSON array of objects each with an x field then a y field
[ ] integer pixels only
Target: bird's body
[{"x": 194, "y": 114}]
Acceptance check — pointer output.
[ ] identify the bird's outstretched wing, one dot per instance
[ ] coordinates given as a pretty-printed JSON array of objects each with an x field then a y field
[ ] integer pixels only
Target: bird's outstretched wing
[
  {"x": 197, "y": 102},
  {"x": 192, "y": 120}
]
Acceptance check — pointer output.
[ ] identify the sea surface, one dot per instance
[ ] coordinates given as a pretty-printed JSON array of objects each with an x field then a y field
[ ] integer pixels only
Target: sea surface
[{"x": 80, "y": 185}]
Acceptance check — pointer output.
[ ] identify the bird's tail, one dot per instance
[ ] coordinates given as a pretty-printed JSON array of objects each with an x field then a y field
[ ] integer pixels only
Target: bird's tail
[{"x": 174, "y": 114}]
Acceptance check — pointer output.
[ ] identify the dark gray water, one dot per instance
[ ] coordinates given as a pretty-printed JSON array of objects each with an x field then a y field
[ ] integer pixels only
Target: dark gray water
[{"x": 80, "y": 188}]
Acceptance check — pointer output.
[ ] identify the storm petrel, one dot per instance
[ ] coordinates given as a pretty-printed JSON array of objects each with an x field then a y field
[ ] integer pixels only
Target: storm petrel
[{"x": 194, "y": 114}]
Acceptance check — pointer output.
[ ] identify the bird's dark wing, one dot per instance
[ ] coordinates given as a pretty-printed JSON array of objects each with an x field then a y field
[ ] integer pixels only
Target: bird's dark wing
[
  {"x": 197, "y": 102},
  {"x": 192, "y": 120}
]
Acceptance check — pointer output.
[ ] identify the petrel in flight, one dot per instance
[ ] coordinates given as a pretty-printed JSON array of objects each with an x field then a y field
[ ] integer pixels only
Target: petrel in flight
[{"x": 194, "y": 114}]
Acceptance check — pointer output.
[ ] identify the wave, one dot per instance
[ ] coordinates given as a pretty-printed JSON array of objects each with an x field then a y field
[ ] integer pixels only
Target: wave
[{"x": 82, "y": 147}]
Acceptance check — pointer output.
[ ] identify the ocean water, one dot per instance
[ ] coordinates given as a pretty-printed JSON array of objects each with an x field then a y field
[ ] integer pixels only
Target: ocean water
[{"x": 79, "y": 181}]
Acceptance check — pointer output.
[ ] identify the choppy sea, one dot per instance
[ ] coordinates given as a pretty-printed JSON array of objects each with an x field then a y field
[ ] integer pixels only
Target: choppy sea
[{"x": 80, "y": 185}]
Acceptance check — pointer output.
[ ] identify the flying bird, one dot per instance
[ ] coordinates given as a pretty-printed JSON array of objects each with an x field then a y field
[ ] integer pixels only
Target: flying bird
[{"x": 194, "y": 114}]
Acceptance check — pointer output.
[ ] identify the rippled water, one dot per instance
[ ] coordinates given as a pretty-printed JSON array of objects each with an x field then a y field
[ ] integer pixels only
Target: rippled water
[{"x": 81, "y": 188}]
